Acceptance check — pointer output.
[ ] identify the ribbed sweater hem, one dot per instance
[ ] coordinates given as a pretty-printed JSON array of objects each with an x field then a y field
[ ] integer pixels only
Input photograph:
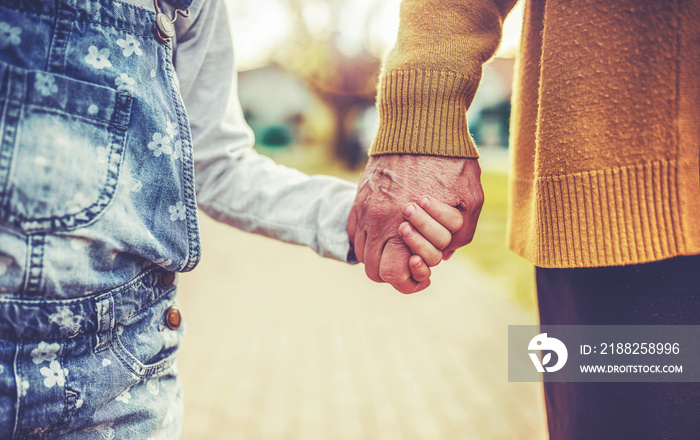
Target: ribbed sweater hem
[
  {"x": 620, "y": 216},
  {"x": 424, "y": 112}
]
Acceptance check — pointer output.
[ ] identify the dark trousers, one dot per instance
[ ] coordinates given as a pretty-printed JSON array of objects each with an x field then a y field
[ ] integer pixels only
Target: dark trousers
[{"x": 660, "y": 293}]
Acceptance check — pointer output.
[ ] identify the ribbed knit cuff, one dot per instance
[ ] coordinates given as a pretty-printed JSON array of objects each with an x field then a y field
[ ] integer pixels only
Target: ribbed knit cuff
[
  {"x": 424, "y": 112},
  {"x": 627, "y": 215}
]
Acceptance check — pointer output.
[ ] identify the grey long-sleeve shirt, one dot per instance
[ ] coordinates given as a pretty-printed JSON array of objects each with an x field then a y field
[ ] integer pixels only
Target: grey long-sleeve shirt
[{"x": 235, "y": 184}]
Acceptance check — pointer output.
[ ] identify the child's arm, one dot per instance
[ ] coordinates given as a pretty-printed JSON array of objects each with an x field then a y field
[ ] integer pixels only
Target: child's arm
[
  {"x": 234, "y": 183},
  {"x": 427, "y": 232}
]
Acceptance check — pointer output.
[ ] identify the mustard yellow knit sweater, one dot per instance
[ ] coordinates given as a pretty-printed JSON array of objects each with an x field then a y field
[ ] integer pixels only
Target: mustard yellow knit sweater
[{"x": 605, "y": 129}]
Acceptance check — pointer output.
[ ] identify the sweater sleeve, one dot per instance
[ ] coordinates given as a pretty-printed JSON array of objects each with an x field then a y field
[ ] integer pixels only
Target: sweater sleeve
[
  {"x": 234, "y": 183},
  {"x": 431, "y": 74}
]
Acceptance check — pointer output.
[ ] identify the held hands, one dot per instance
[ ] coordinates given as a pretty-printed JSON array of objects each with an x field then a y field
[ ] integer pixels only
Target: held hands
[
  {"x": 428, "y": 230},
  {"x": 392, "y": 183}
]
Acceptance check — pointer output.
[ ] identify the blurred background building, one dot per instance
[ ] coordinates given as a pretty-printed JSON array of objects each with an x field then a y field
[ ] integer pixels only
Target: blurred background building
[{"x": 309, "y": 68}]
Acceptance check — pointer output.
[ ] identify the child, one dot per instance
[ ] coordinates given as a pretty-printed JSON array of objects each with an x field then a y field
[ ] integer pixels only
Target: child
[{"x": 104, "y": 126}]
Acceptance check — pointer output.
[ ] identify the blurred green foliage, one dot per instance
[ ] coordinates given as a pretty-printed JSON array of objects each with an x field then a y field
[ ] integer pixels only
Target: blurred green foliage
[{"x": 488, "y": 250}]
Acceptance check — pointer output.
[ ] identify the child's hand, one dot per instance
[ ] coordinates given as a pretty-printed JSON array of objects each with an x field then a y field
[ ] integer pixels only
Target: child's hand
[{"x": 428, "y": 230}]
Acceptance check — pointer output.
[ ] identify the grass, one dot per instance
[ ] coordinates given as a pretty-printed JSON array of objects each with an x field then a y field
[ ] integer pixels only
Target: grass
[{"x": 488, "y": 250}]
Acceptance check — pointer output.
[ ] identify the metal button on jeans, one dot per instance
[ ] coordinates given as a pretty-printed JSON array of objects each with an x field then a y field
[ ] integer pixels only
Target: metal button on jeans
[
  {"x": 173, "y": 318},
  {"x": 166, "y": 279}
]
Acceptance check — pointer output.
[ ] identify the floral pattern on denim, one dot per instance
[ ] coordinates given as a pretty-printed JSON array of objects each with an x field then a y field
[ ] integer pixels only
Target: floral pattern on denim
[
  {"x": 54, "y": 375},
  {"x": 177, "y": 211},
  {"x": 163, "y": 263},
  {"x": 130, "y": 45},
  {"x": 9, "y": 35},
  {"x": 124, "y": 397},
  {"x": 108, "y": 434},
  {"x": 24, "y": 387},
  {"x": 177, "y": 149},
  {"x": 125, "y": 83},
  {"x": 160, "y": 145},
  {"x": 78, "y": 89},
  {"x": 44, "y": 352},
  {"x": 45, "y": 84},
  {"x": 98, "y": 58},
  {"x": 171, "y": 129},
  {"x": 67, "y": 321},
  {"x": 172, "y": 132},
  {"x": 153, "y": 386},
  {"x": 133, "y": 184}
]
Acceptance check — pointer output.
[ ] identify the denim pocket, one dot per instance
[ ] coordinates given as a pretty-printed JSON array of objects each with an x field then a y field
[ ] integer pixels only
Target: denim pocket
[
  {"x": 144, "y": 343},
  {"x": 62, "y": 146}
]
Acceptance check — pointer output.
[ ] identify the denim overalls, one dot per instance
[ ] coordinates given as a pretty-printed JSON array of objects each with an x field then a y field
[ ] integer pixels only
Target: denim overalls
[{"x": 97, "y": 212}]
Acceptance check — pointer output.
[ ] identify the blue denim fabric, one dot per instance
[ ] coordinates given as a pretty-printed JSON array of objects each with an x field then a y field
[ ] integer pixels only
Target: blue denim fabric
[
  {"x": 96, "y": 168},
  {"x": 101, "y": 367},
  {"x": 96, "y": 202}
]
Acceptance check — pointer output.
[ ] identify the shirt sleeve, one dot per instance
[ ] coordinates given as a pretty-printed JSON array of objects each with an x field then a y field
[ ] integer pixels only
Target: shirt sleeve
[
  {"x": 234, "y": 183},
  {"x": 431, "y": 75}
]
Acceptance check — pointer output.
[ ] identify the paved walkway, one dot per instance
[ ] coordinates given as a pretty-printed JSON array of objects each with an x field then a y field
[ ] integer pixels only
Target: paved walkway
[{"x": 282, "y": 344}]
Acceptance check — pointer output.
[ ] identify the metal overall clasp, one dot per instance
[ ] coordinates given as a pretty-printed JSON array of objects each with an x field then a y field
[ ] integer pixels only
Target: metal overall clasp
[{"x": 163, "y": 27}]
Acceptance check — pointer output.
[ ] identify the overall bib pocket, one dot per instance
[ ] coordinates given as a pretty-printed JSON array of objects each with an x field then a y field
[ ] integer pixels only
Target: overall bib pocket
[{"x": 61, "y": 146}]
